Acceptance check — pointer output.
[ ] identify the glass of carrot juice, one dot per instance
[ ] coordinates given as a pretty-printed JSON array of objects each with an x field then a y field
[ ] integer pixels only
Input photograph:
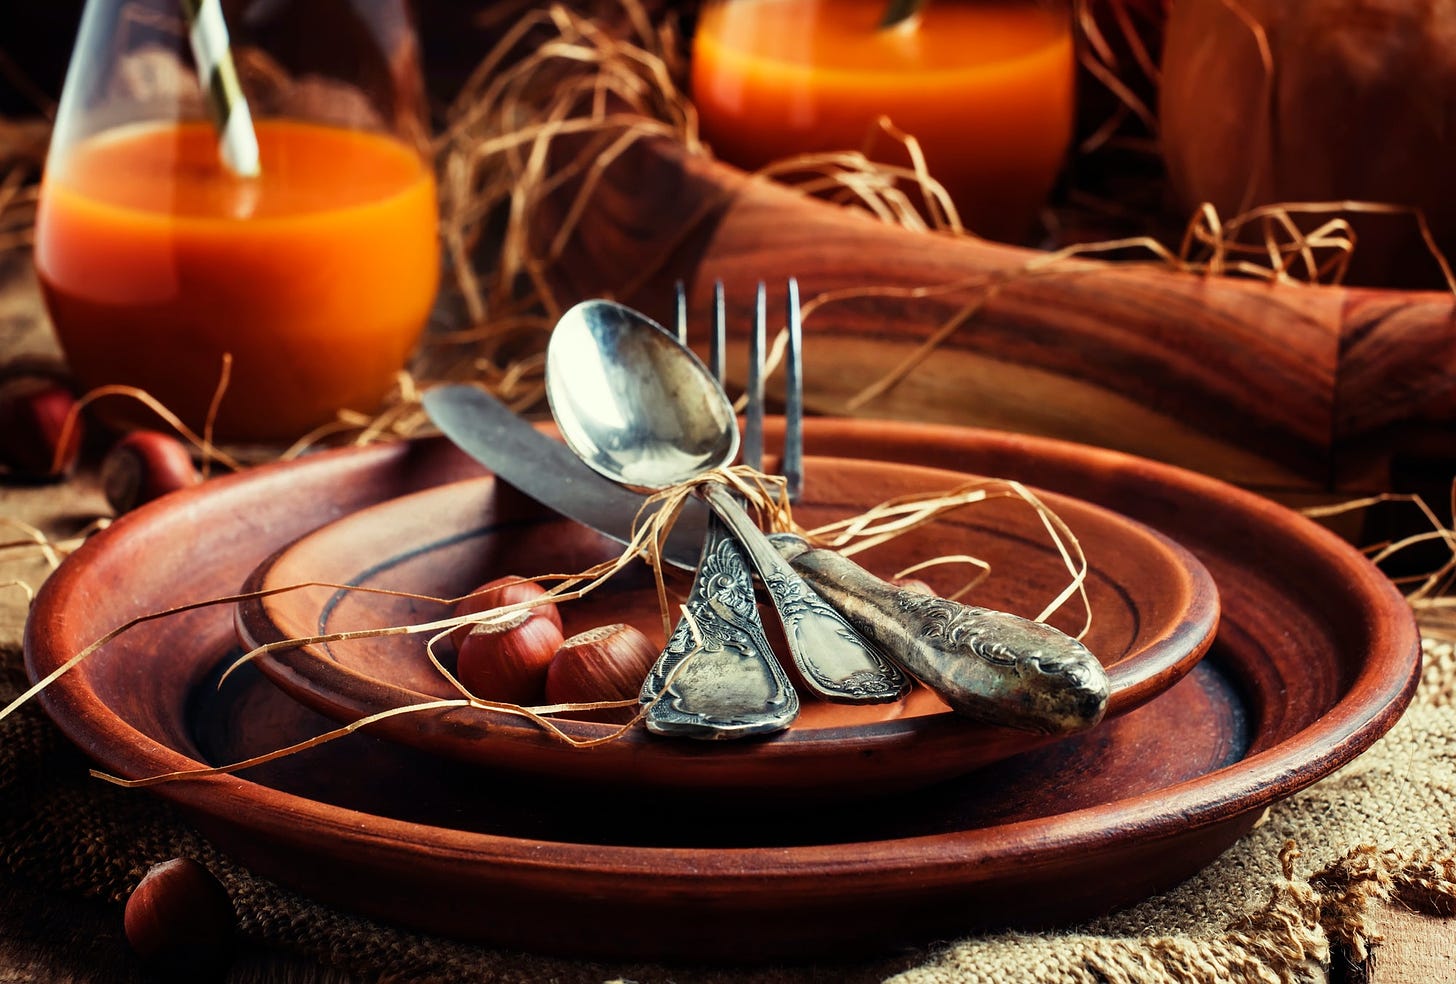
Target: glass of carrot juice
[
  {"x": 986, "y": 87},
  {"x": 264, "y": 196}
]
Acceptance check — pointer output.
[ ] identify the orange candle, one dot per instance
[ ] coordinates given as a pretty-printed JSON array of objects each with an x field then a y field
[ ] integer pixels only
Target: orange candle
[
  {"x": 985, "y": 86},
  {"x": 317, "y": 277}
]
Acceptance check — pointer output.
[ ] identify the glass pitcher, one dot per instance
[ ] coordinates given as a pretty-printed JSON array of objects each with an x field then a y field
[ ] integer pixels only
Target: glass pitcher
[{"x": 312, "y": 266}]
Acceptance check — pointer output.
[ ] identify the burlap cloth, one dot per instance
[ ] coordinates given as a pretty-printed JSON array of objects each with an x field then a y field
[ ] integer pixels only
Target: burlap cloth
[{"x": 1273, "y": 908}]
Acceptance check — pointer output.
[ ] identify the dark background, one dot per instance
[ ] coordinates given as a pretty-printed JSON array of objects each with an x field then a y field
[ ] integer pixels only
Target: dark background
[
  {"x": 35, "y": 44},
  {"x": 36, "y": 38}
]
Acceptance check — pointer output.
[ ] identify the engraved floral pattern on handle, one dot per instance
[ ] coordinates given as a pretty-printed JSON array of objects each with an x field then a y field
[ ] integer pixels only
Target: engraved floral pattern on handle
[
  {"x": 949, "y": 625},
  {"x": 814, "y": 626},
  {"x": 835, "y": 661},
  {"x": 989, "y": 665},
  {"x": 717, "y": 677}
]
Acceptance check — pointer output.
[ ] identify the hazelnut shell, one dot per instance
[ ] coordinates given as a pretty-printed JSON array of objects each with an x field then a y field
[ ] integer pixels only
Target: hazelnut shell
[
  {"x": 180, "y": 921},
  {"x": 33, "y": 413},
  {"x": 508, "y": 590},
  {"x": 145, "y": 465},
  {"x": 606, "y": 663},
  {"x": 508, "y": 662}
]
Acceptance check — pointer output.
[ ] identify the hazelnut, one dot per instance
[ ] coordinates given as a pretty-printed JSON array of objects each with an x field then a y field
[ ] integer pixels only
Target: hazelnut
[
  {"x": 180, "y": 921},
  {"x": 508, "y": 661},
  {"x": 33, "y": 414},
  {"x": 503, "y": 591},
  {"x": 145, "y": 465},
  {"x": 606, "y": 663}
]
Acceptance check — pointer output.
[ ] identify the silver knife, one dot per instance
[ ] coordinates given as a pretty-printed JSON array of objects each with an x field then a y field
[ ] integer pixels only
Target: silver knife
[{"x": 544, "y": 469}]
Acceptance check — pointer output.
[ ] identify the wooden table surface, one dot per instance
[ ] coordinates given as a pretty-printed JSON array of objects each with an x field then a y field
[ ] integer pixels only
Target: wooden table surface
[{"x": 44, "y": 937}]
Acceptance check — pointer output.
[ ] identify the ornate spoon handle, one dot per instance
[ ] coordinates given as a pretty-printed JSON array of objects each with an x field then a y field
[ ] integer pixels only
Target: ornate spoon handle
[
  {"x": 717, "y": 678},
  {"x": 834, "y": 660}
]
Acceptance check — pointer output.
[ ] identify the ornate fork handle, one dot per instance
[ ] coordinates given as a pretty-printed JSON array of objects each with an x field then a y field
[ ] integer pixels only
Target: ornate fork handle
[
  {"x": 833, "y": 658},
  {"x": 717, "y": 677}
]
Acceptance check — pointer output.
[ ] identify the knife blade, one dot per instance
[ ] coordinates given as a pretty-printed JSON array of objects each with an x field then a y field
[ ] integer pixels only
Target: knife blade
[{"x": 527, "y": 459}]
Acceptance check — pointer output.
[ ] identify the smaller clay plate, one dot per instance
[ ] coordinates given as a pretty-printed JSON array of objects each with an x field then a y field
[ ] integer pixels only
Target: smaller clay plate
[{"x": 1154, "y": 608}]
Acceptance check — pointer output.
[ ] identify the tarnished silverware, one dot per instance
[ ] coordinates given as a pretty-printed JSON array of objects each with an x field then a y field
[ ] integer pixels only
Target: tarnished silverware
[
  {"x": 791, "y": 462},
  {"x": 642, "y": 410},
  {"x": 812, "y": 626},
  {"x": 513, "y": 450},
  {"x": 717, "y": 676},
  {"x": 988, "y": 665},
  {"x": 547, "y": 471}
]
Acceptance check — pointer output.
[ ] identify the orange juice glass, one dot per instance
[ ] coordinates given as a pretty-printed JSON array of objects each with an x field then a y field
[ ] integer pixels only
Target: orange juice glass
[
  {"x": 985, "y": 86},
  {"x": 316, "y": 276}
]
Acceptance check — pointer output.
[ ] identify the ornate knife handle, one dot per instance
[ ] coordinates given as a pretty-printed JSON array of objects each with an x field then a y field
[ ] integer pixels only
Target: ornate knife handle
[
  {"x": 834, "y": 659},
  {"x": 717, "y": 677},
  {"x": 989, "y": 665}
]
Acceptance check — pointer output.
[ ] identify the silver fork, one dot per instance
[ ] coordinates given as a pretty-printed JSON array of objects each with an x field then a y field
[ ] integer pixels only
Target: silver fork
[
  {"x": 834, "y": 660},
  {"x": 791, "y": 463},
  {"x": 717, "y": 676}
]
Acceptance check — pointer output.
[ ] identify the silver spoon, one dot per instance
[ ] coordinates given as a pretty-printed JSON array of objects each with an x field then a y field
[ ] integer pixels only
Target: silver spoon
[
  {"x": 717, "y": 677},
  {"x": 639, "y": 408}
]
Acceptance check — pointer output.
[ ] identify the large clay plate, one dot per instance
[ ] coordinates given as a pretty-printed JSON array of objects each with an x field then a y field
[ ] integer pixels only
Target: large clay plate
[
  {"x": 1316, "y": 657},
  {"x": 1154, "y": 611}
]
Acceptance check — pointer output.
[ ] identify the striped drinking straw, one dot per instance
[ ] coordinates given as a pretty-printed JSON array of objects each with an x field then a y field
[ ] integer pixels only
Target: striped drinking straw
[{"x": 238, "y": 144}]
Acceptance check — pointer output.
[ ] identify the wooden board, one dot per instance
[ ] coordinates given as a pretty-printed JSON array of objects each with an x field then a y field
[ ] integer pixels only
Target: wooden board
[{"x": 1284, "y": 388}]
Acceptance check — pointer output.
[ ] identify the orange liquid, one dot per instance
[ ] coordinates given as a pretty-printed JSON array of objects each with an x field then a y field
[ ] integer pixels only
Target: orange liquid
[
  {"x": 985, "y": 86},
  {"x": 317, "y": 277}
]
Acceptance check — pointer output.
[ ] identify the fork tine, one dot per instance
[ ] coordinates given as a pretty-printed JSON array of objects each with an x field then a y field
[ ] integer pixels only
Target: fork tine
[
  {"x": 753, "y": 423},
  {"x": 792, "y": 465},
  {"x": 680, "y": 294},
  {"x": 718, "y": 344}
]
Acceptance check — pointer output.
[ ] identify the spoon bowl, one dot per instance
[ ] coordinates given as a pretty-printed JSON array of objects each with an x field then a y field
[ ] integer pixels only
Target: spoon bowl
[{"x": 635, "y": 406}]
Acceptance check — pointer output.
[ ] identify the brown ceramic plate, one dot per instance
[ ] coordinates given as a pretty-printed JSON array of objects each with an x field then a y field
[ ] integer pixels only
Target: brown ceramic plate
[
  {"x": 1154, "y": 608},
  {"x": 1316, "y": 656}
]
